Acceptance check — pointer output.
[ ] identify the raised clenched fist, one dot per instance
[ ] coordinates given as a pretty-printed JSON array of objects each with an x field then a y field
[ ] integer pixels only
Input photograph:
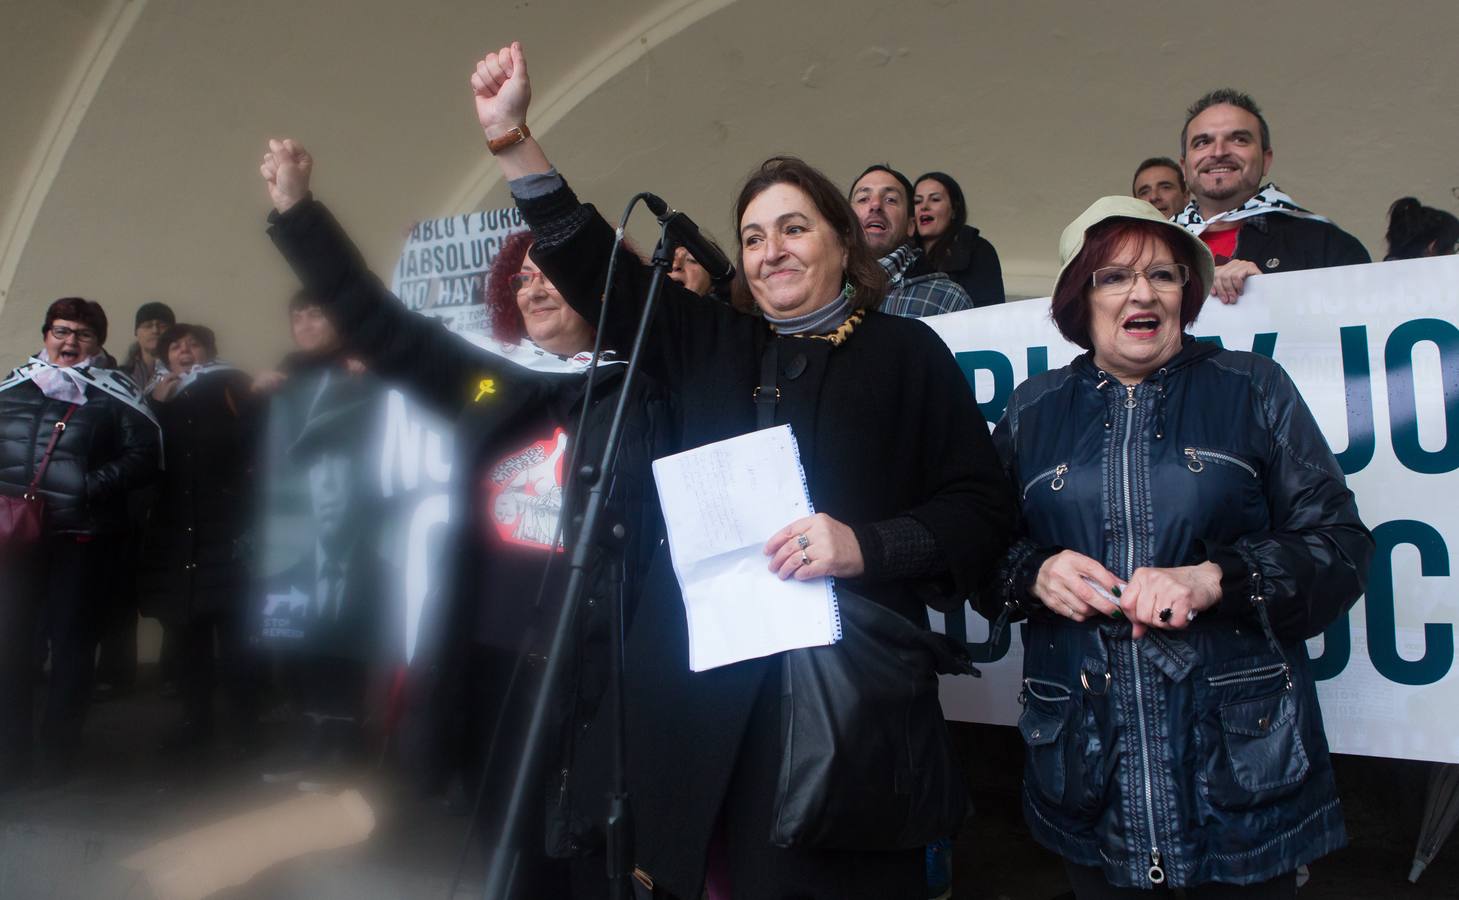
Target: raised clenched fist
[
  {"x": 286, "y": 169},
  {"x": 503, "y": 91}
]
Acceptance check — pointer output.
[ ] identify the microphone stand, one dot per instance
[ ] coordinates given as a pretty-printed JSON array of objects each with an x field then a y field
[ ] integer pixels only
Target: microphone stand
[{"x": 503, "y": 868}]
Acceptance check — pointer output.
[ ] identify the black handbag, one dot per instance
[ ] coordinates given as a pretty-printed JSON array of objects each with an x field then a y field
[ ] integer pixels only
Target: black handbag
[{"x": 866, "y": 763}]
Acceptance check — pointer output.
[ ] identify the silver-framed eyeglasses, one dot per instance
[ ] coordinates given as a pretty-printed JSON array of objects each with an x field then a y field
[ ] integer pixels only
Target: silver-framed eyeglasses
[
  {"x": 83, "y": 335},
  {"x": 1119, "y": 280}
]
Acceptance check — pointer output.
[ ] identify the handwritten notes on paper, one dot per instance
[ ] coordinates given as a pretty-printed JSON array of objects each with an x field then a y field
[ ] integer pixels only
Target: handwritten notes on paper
[{"x": 721, "y": 503}]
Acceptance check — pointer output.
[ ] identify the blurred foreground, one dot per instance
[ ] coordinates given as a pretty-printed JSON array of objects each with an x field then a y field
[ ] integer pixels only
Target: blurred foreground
[{"x": 69, "y": 842}]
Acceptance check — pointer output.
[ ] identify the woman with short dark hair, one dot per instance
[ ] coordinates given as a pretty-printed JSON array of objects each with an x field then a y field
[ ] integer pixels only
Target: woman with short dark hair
[
  {"x": 951, "y": 244},
  {"x": 194, "y": 567},
  {"x": 74, "y": 438},
  {"x": 1185, "y": 528},
  {"x": 911, "y": 507}
]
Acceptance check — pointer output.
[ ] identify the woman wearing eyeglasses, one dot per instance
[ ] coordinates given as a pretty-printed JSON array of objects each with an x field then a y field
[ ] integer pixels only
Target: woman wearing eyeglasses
[
  {"x": 516, "y": 413},
  {"x": 1185, "y": 528},
  {"x": 105, "y": 444}
]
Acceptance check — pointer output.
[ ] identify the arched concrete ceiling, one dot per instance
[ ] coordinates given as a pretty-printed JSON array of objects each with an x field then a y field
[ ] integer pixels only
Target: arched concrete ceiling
[{"x": 134, "y": 127}]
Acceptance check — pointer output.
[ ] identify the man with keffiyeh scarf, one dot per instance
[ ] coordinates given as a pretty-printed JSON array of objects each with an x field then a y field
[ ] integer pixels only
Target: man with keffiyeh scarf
[{"x": 1226, "y": 151}]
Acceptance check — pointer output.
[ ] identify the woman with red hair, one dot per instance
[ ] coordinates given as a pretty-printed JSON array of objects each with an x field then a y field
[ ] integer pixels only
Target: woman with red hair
[{"x": 522, "y": 303}]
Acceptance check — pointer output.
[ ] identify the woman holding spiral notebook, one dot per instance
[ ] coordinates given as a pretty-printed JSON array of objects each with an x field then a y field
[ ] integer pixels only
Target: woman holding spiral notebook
[{"x": 911, "y": 506}]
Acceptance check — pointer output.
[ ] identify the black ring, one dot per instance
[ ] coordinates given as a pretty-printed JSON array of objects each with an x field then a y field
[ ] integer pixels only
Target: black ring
[{"x": 1165, "y": 614}]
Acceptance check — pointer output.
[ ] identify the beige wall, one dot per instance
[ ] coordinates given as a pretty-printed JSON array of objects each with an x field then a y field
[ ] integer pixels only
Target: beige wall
[{"x": 133, "y": 129}]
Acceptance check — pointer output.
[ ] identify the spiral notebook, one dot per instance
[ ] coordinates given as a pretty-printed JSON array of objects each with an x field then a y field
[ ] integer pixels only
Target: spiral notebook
[{"x": 721, "y": 503}]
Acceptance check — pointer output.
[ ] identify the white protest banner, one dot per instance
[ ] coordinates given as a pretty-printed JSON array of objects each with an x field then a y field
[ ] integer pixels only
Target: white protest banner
[
  {"x": 442, "y": 269},
  {"x": 1375, "y": 352}
]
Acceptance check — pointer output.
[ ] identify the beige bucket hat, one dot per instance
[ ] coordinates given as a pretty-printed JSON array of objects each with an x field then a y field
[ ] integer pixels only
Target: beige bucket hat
[{"x": 1117, "y": 207}]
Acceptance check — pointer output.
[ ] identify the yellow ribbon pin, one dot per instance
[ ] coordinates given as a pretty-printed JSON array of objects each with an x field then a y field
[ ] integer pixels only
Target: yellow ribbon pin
[{"x": 487, "y": 386}]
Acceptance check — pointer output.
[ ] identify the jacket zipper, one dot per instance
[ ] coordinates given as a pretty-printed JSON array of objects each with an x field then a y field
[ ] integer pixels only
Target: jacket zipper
[
  {"x": 1031, "y": 685},
  {"x": 1125, "y": 475},
  {"x": 1196, "y": 460},
  {"x": 1155, "y": 873},
  {"x": 1056, "y": 473},
  {"x": 1260, "y": 673}
]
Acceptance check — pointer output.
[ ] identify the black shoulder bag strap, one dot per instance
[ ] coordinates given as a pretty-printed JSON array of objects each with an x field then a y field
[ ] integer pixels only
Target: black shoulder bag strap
[{"x": 767, "y": 395}]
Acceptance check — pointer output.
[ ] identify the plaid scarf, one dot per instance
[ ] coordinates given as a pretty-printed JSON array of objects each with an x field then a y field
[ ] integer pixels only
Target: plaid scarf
[
  {"x": 1269, "y": 199},
  {"x": 898, "y": 262}
]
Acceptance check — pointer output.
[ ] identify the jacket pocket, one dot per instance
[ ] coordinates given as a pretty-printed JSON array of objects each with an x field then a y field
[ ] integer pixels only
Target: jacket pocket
[
  {"x": 1046, "y": 706},
  {"x": 1252, "y": 730},
  {"x": 1066, "y": 760},
  {"x": 1053, "y": 478},
  {"x": 1198, "y": 458}
]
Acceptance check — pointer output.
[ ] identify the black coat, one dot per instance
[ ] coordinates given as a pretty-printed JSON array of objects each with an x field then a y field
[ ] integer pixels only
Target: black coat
[
  {"x": 1214, "y": 458},
  {"x": 445, "y": 371},
  {"x": 107, "y": 450},
  {"x": 972, "y": 262},
  {"x": 887, "y": 427},
  {"x": 1281, "y": 243},
  {"x": 193, "y": 560}
]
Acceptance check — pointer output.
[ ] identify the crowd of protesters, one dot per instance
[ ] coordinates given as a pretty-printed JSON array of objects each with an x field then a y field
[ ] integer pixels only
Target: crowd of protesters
[{"x": 134, "y": 488}]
